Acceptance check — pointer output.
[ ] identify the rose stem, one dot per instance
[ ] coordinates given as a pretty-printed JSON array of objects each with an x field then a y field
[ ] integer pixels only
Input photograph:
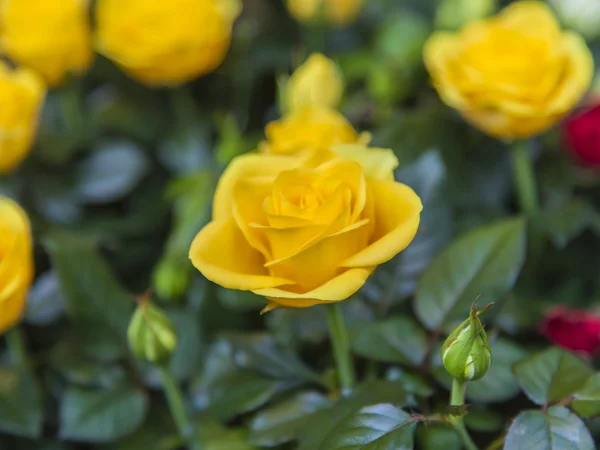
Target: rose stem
[
  {"x": 524, "y": 177},
  {"x": 457, "y": 398},
  {"x": 341, "y": 347},
  {"x": 177, "y": 407}
]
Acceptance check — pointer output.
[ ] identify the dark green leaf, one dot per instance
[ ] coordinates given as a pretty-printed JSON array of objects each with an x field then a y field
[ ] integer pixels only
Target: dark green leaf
[
  {"x": 396, "y": 340},
  {"x": 111, "y": 172},
  {"x": 412, "y": 383},
  {"x": 484, "y": 420},
  {"x": 569, "y": 220},
  {"x": 98, "y": 306},
  {"x": 587, "y": 399},
  {"x": 377, "y": 427},
  {"x": 21, "y": 408},
  {"x": 101, "y": 415},
  {"x": 554, "y": 429},
  {"x": 436, "y": 437},
  {"x": 551, "y": 375},
  {"x": 214, "y": 436},
  {"x": 44, "y": 302},
  {"x": 324, "y": 422},
  {"x": 281, "y": 423},
  {"x": 157, "y": 433},
  {"x": 484, "y": 262}
]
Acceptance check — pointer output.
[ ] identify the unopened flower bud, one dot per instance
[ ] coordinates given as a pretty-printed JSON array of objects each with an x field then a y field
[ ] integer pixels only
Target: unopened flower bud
[
  {"x": 151, "y": 335},
  {"x": 171, "y": 279},
  {"x": 466, "y": 354},
  {"x": 453, "y": 14}
]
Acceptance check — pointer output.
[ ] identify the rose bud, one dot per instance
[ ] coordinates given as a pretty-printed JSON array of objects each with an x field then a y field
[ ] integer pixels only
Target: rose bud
[
  {"x": 574, "y": 329},
  {"x": 150, "y": 334},
  {"x": 466, "y": 354},
  {"x": 582, "y": 135}
]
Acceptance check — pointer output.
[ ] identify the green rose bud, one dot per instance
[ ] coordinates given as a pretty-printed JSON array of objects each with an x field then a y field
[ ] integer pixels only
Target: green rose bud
[
  {"x": 466, "y": 354},
  {"x": 453, "y": 14},
  {"x": 151, "y": 335},
  {"x": 171, "y": 278}
]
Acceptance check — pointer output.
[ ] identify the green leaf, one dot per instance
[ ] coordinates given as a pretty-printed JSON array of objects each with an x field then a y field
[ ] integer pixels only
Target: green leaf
[
  {"x": 499, "y": 384},
  {"x": 101, "y": 415},
  {"x": 44, "y": 301},
  {"x": 281, "y": 423},
  {"x": 569, "y": 220},
  {"x": 377, "y": 427},
  {"x": 484, "y": 262},
  {"x": 412, "y": 383},
  {"x": 261, "y": 353},
  {"x": 587, "y": 399},
  {"x": 396, "y": 340},
  {"x": 21, "y": 408},
  {"x": 215, "y": 436},
  {"x": 554, "y": 429},
  {"x": 484, "y": 420},
  {"x": 157, "y": 433},
  {"x": 324, "y": 422},
  {"x": 96, "y": 303},
  {"x": 111, "y": 172},
  {"x": 551, "y": 375}
]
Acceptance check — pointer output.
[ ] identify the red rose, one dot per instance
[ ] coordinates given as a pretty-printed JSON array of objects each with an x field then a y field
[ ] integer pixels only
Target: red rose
[
  {"x": 574, "y": 329},
  {"x": 582, "y": 135}
]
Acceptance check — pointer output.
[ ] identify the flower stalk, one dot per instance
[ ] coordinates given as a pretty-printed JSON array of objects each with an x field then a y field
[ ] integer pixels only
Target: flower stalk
[
  {"x": 457, "y": 398},
  {"x": 524, "y": 177},
  {"x": 341, "y": 348}
]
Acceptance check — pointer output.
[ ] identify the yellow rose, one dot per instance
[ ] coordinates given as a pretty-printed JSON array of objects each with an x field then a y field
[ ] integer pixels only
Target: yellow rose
[
  {"x": 317, "y": 82},
  {"x": 310, "y": 128},
  {"x": 51, "y": 36},
  {"x": 16, "y": 262},
  {"x": 161, "y": 42},
  {"x": 513, "y": 75},
  {"x": 336, "y": 12},
  {"x": 302, "y": 233},
  {"x": 22, "y": 94}
]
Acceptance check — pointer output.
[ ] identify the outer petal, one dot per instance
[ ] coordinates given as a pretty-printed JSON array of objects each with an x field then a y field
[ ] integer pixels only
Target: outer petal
[
  {"x": 397, "y": 216},
  {"x": 223, "y": 255},
  {"x": 334, "y": 290},
  {"x": 249, "y": 165}
]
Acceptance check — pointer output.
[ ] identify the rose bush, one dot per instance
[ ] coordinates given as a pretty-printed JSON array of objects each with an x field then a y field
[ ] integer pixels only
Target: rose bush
[
  {"x": 306, "y": 232},
  {"x": 514, "y": 75}
]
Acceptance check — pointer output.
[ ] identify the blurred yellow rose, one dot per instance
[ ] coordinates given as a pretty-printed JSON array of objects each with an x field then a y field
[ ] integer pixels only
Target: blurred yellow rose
[
  {"x": 513, "y": 75},
  {"x": 310, "y": 128},
  {"x": 16, "y": 262},
  {"x": 336, "y": 12},
  {"x": 165, "y": 43},
  {"x": 22, "y": 94},
  {"x": 302, "y": 233},
  {"x": 317, "y": 82},
  {"x": 51, "y": 36}
]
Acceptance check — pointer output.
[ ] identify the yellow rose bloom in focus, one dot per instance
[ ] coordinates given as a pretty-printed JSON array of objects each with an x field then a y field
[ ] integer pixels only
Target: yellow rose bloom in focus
[
  {"x": 52, "y": 37},
  {"x": 514, "y": 75},
  {"x": 301, "y": 232},
  {"x": 16, "y": 262},
  {"x": 310, "y": 128},
  {"x": 336, "y": 12},
  {"x": 165, "y": 43},
  {"x": 22, "y": 95},
  {"x": 317, "y": 82}
]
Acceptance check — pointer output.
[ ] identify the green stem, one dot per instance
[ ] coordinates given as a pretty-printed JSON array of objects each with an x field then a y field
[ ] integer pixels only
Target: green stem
[
  {"x": 17, "y": 347},
  {"x": 457, "y": 398},
  {"x": 341, "y": 347},
  {"x": 524, "y": 177},
  {"x": 177, "y": 407}
]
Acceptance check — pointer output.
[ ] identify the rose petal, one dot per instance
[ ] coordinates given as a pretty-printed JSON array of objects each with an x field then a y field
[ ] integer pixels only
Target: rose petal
[
  {"x": 220, "y": 251},
  {"x": 397, "y": 216}
]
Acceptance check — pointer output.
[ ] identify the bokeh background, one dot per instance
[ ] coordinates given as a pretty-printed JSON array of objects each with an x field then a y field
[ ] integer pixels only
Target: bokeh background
[{"x": 120, "y": 179}]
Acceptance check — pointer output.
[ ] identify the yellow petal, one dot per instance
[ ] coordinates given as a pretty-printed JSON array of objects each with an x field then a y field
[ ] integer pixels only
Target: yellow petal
[
  {"x": 338, "y": 288},
  {"x": 397, "y": 215},
  {"x": 249, "y": 165},
  {"x": 221, "y": 252}
]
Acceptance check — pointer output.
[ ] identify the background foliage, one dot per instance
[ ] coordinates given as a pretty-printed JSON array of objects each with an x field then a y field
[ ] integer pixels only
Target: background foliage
[{"x": 121, "y": 179}]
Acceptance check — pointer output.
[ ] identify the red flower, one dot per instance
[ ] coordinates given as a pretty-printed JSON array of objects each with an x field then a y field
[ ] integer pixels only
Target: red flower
[
  {"x": 574, "y": 329},
  {"x": 582, "y": 135}
]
